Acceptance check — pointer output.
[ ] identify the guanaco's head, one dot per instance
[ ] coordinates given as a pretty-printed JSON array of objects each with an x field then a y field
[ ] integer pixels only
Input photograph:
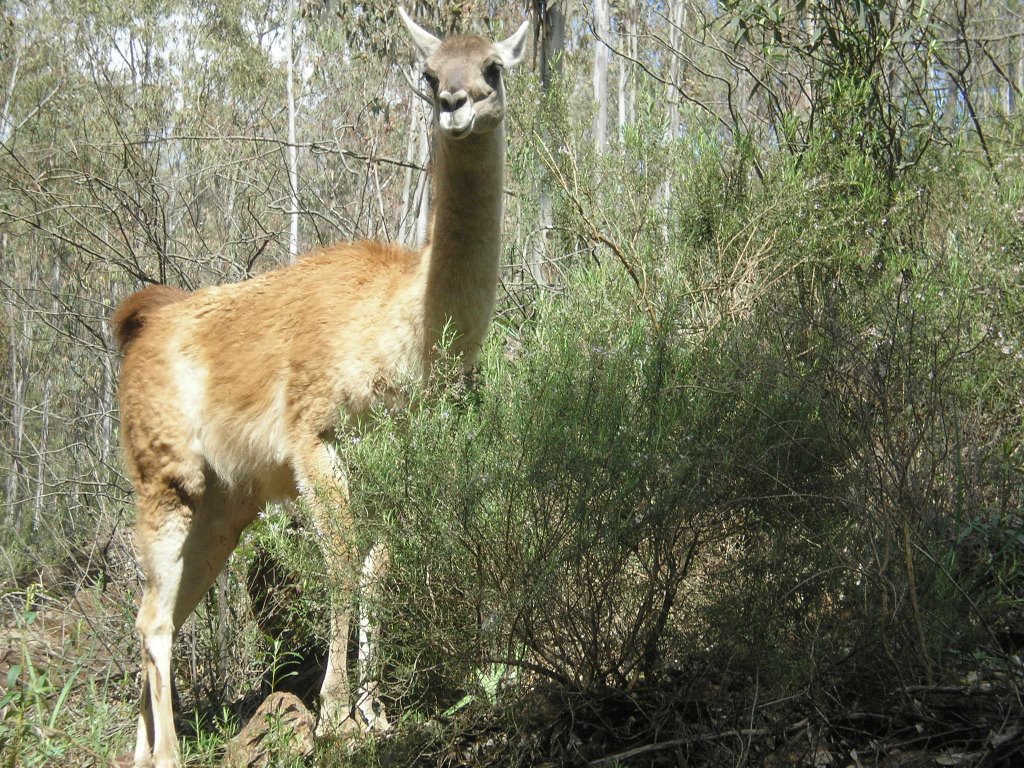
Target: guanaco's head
[{"x": 463, "y": 75}]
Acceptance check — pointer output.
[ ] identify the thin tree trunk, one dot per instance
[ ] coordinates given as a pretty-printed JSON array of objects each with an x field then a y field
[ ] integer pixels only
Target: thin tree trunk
[
  {"x": 623, "y": 64},
  {"x": 106, "y": 407},
  {"x": 415, "y": 200},
  {"x": 225, "y": 640},
  {"x": 41, "y": 452},
  {"x": 17, "y": 418},
  {"x": 1019, "y": 60},
  {"x": 18, "y": 375},
  {"x": 42, "y": 445},
  {"x": 806, "y": 93},
  {"x": 952, "y": 65},
  {"x": 601, "y": 33},
  {"x": 634, "y": 51},
  {"x": 406, "y": 227},
  {"x": 622, "y": 99},
  {"x": 678, "y": 19},
  {"x": 951, "y": 105},
  {"x": 293, "y": 150},
  {"x": 1012, "y": 74},
  {"x": 101, "y": 470},
  {"x": 549, "y": 39},
  {"x": 6, "y": 123},
  {"x": 549, "y": 43},
  {"x": 421, "y": 200},
  {"x": 423, "y": 186}
]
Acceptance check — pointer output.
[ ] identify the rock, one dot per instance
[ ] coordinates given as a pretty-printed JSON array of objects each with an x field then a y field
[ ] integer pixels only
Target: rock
[{"x": 281, "y": 728}]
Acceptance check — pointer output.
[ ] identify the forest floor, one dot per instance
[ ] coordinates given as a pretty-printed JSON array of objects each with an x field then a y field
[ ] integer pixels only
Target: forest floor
[{"x": 59, "y": 645}]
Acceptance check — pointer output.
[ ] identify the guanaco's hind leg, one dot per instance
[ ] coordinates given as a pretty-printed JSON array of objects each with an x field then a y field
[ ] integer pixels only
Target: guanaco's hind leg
[
  {"x": 368, "y": 704},
  {"x": 322, "y": 482},
  {"x": 144, "y": 732},
  {"x": 183, "y": 547},
  {"x": 325, "y": 489}
]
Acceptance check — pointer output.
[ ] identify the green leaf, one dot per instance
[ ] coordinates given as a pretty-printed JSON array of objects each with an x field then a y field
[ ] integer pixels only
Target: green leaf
[{"x": 461, "y": 704}]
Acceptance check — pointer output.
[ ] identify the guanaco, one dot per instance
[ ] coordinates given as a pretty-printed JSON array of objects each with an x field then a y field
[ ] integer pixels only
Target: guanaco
[{"x": 231, "y": 396}]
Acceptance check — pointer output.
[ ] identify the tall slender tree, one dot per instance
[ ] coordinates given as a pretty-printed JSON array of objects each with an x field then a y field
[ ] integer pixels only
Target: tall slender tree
[
  {"x": 293, "y": 149},
  {"x": 602, "y": 30}
]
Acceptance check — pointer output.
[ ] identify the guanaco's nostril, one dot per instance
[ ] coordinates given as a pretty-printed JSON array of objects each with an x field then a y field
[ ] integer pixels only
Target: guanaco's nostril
[{"x": 451, "y": 102}]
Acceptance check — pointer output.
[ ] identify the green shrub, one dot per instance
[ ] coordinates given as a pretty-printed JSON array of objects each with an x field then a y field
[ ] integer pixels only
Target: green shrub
[{"x": 798, "y": 467}]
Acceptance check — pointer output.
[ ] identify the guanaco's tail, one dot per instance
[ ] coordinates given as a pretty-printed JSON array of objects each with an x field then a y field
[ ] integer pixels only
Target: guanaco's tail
[{"x": 130, "y": 318}]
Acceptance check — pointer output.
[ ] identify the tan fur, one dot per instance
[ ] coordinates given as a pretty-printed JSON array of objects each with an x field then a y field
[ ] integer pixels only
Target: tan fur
[
  {"x": 130, "y": 318},
  {"x": 230, "y": 396}
]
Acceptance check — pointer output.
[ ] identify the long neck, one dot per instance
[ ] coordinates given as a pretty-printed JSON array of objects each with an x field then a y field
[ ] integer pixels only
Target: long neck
[{"x": 462, "y": 257}]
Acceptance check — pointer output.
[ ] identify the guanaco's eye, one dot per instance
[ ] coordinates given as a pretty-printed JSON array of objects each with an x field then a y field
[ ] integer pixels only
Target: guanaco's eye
[
  {"x": 492, "y": 75},
  {"x": 431, "y": 81}
]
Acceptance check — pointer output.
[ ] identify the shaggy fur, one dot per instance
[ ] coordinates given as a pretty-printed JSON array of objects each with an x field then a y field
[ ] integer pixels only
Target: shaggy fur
[{"x": 231, "y": 395}]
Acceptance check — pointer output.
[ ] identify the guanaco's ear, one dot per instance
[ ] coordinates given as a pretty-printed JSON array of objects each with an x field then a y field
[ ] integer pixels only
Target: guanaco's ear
[
  {"x": 425, "y": 42},
  {"x": 513, "y": 48}
]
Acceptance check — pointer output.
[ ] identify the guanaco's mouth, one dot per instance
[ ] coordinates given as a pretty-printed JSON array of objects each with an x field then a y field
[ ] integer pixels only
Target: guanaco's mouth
[{"x": 459, "y": 133}]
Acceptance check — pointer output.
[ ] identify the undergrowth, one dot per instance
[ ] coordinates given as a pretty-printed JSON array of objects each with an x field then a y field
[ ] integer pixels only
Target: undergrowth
[{"x": 785, "y": 466}]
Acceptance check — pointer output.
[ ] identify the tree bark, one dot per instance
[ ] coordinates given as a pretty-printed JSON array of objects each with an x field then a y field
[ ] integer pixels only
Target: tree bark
[
  {"x": 549, "y": 42},
  {"x": 1019, "y": 59},
  {"x": 43, "y": 442},
  {"x": 17, "y": 395},
  {"x": 549, "y": 39},
  {"x": 677, "y": 16},
  {"x": 601, "y": 32},
  {"x": 407, "y": 228},
  {"x": 626, "y": 41},
  {"x": 6, "y": 122},
  {"x": 423, "y": 185},
  {"x": 293, "y": 150},
  {"x": 1013, "y": 51},
  {"x": 41, "y": 456}
]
